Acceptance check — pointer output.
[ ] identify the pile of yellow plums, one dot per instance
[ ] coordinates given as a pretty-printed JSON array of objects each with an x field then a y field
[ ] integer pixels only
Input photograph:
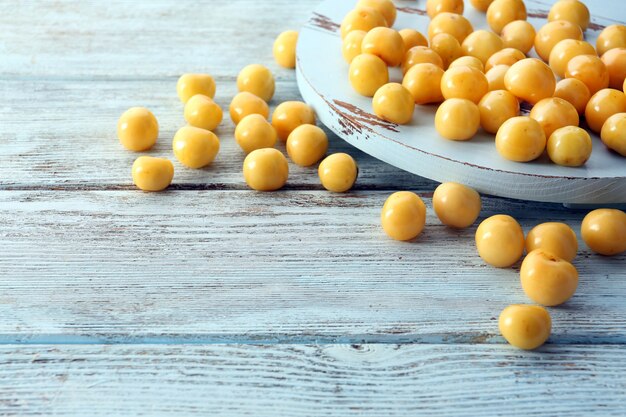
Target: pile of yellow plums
[
  {"x": 479, "y": 78},
  {"x": 265, "y": 168}
]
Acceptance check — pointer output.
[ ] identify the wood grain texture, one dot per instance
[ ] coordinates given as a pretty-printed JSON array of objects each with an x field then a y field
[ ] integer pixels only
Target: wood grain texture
[
  {"x": 161, "y": 278},
  {"x": 292, "y": 266},
  {"x": 142, "y": 39},
  {"x": 62, "y": 135},
  {"x": 304, "y": 380}
]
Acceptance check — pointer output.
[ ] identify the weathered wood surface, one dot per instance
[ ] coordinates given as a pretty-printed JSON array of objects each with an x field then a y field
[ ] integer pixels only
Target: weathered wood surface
[
  {"x": 267, "y": 267},
  {"x": 62, "y": 135},
  {"x": 301, "y": 380},
  {"x": 86, "y": 259},
  {"x": 136, "y": 40}
]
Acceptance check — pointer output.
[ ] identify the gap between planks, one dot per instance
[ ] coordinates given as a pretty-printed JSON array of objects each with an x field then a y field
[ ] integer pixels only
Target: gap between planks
[
  {"x": 272, "y": 339},
  {"x": 425, "y": 191},
  {"x": 283, "y": 76}
]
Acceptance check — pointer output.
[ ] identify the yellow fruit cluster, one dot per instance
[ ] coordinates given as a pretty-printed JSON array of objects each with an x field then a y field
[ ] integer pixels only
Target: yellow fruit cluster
[
  {"x": 478, "y": 78},
  {"x": 547, "y": 274},
  {"x": 194, "y": 145},
  {"x": 264, "y": 167}
]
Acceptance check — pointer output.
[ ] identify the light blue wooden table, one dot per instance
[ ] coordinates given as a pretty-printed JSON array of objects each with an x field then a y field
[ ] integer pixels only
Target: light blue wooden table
[{"x": 211, "y": 299}]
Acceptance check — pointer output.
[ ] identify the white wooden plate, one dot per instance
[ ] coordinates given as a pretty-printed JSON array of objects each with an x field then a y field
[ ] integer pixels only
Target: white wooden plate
[{"x": 323, "y": 81}]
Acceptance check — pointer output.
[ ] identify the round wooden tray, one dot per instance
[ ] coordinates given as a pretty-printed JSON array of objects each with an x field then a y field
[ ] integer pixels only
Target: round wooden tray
[{"x": 323, "y": 81}]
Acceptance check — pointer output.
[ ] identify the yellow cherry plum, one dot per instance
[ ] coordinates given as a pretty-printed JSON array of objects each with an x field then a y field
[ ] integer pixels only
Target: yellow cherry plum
[
  {"x": 423, "y": 81},
  {"x": 590, "y": 70},
  {"x": 553, "y": 237},
  {"x": 547, "y": 279},
  {"x": 468, "y": 61},
  {"x": 565, "y": 50},
  {"x": 520, "y": 139},
  {"x": 384, "y": 7},
  {"x": 447, "y": 47},
  {"x": 245, "y": 104},
  {"x": 496, "y": 107},
  {"x": 152, "y": 174},
  {"x": 306, "y": 145},
  {"x": 285, "y": 49},
  {"x": 403, "y": 216},
  {"x": 552, "y": 33},
  {"x": 452, "y": 23},
  {"x": 500, "y": 240},
  {"x": 137, "y": 129},
  {"x": 351, "y": 45},
  {"x": 411, "y": 38},
  {"x": 385, "y": 43},
  {"x": 265, "y": 169},
  {"x": 495, "y": 77},
  {"x": 553, "y": 113},
  {"x": 615, "y": 62},
  {"x": 530, "y": 80},
  {"x": 393, "y": 103},
  {"x": 456, "y": 205},
  {"x": 195, "y": 147},
  {"x": 362, "y": 18},
  {"x": 613, "y": 133},
  {"x": 602, "y": 105},
  {"x": 604, "y": 231},
  {"x": 434, "y": 7},
  {"x": 367, "y": 74},
  {"x": 519, "y": 34},
  {"x": 464, "y": 82},
  {"x": 506, "y": 56},
  {"x": 255, "y": 132},
  {"x": 289, "y": 115},
  {"x": 569, "y": 146},
  {"x": 420, "y": 55},
  {"x": 482, "y": 44},
  {"x": 613, "y": 36},
  {"x": 189, "y": 85},
  {"x": 524, "y": 326},
  {"x": 338, "y": 172},
  {"x": 502, "y": 12},
  {"x": 481, "y": 5},
  {"x": 201, "y": 111},
  {"x": 574, "y": 91},
  {"x": 573, "y": 11},
  {"x": 457, "y": 119},
  {"x": 258, "y": 80}
]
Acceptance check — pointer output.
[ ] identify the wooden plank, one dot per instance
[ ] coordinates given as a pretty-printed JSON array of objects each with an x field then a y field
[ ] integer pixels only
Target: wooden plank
[
  {"x": 62, "y": 135},
  {"x": 133, "y": 39},
  {"x": 120, "y": 266},
  {"x": 312, "y": 380}
]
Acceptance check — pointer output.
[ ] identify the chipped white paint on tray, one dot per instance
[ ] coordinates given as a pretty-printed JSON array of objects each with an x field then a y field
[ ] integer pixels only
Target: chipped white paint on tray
[{"x": 85, "y": 259}]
